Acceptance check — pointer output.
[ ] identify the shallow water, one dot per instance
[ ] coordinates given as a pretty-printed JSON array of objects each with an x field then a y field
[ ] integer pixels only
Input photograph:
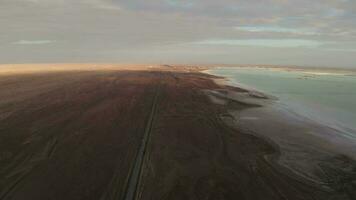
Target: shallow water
[{"x": 324, "y": 97}]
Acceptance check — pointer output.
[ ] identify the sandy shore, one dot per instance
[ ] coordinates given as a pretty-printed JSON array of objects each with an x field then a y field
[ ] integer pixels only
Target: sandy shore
[
  {"x": 78, "y": 134},
  {"x": 308, "y": 70}
]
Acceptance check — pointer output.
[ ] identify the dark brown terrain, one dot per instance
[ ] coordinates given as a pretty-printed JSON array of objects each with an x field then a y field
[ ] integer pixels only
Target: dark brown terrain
[{"x": 138, "y": 134}]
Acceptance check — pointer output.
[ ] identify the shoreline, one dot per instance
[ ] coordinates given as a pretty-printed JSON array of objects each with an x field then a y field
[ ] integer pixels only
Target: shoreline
[
  {"x": 293, "y": 106},
  {"x": 305, "y": 70},
  {"x": 330, "y": 142},
  {"x": 287, "y": 68},
  {"x": 269, "y": 99}
]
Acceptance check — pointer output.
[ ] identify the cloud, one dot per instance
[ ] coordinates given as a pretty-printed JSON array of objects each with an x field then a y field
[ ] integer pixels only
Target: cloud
[
  {"x": 278, "y": 43},
  {"x": 109, "y": 7},
  {"x": 277, "y": 29},
  {"x": 33, "y": 42},
  {"x": 100, "y": 4}
]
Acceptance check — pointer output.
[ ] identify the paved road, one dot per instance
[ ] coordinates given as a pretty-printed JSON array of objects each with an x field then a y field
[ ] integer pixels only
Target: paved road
[{"x": 135, "y": 176}]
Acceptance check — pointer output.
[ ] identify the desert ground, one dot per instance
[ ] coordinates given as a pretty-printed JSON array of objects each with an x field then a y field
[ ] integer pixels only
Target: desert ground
[{"x": 106, "y": 131}]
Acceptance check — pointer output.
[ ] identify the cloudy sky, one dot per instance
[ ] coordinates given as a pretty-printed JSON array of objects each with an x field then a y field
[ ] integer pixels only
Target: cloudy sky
[{"x": 293, "y": 32}]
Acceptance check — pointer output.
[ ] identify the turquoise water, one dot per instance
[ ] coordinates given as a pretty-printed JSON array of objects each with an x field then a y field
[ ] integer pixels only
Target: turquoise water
[{"x": 327, "y": 98}]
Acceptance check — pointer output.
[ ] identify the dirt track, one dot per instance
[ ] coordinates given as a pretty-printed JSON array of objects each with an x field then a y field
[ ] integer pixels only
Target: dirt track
[{"x": 77, "y": 135}]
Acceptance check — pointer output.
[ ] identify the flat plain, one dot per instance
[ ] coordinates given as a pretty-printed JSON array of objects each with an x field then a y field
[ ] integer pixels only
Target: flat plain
[{"x": 156, "y": 132}]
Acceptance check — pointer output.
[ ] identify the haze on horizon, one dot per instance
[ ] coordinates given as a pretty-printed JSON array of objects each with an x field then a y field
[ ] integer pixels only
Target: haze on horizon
[{"x": 280, "y": 32}]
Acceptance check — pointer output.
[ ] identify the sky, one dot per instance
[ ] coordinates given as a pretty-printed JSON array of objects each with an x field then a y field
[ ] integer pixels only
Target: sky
[{"x": 319, "y": 33}]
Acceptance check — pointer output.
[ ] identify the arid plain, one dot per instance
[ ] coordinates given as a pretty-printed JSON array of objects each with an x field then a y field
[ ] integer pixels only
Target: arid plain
[{"x": 144, "y": 132}]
